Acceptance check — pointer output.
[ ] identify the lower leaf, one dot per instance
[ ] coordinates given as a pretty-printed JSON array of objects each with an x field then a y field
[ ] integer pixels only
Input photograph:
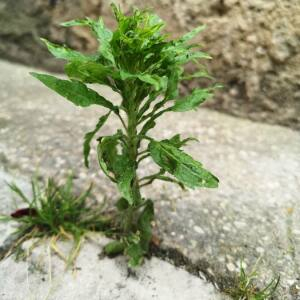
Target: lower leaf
[
  {"x": 89, "y": 136},
  {"x": 114, "y": 248},
  {"x": 136, "y": 254},
  {"x": 187, "y": 170}
]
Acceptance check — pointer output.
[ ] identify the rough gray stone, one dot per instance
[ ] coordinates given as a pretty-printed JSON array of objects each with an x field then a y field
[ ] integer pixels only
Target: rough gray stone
[{"x": 253, "y": 214}]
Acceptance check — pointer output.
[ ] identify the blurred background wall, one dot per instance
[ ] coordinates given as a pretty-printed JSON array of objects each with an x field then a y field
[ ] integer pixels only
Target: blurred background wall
[{"x": 255, "y": 45}]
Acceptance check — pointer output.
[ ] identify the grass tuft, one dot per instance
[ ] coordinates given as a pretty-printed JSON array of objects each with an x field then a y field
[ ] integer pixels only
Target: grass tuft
[
  {"x": 56, "y": 211},
  {"x": 246, "y": 289}
]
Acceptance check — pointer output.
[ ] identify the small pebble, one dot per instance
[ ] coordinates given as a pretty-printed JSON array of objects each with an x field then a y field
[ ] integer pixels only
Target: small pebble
[
  {"x": 231, "y": 267},
  {"x": 199, "y": 230}
]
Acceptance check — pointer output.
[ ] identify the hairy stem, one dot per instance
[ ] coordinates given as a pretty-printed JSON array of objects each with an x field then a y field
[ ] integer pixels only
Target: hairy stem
[{"x": 133, "y": 144}]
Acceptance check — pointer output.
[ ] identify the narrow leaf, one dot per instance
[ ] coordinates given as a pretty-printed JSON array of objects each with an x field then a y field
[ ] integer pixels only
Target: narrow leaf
[
  {"x": 89, "y": 136},
  {"x": 191, "y": 56},
  {"x": 192, "y": 101},
  {"x": 199, "y": 74},
  {"x": 77, "y": 22},
  {"x": 178, "y": 142},
  {"x": 66, "y": 53},
  {"x": 190, "y": 35}
]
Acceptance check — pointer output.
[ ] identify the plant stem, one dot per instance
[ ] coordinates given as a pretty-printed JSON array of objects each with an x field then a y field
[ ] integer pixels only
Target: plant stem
[{"x": 133, "y": 143}]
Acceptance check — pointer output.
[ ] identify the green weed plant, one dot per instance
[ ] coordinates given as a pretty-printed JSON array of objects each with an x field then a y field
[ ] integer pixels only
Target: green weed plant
[{"x": 145, "y": 67}]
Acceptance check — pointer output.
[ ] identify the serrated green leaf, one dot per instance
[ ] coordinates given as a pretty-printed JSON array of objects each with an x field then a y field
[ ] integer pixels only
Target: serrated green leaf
[
  {"x": 66, "y": 53},
  {"x": 89, "y": 136},
  {"x": 192, "y": 101},
  {"x": 188, "y": 171},
  {"x": 75, "y": 91}
]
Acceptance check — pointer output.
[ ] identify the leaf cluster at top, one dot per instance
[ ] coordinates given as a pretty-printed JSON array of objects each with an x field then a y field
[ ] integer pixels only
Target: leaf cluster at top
[{"x": 137, "y": 60}]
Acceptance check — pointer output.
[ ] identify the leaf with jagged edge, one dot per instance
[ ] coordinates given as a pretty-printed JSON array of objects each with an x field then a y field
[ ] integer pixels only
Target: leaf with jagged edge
[
  {"x": 75, "y": 91},
  {"x": 182, "y": 166},
  {"x": 63, "y": 52}
]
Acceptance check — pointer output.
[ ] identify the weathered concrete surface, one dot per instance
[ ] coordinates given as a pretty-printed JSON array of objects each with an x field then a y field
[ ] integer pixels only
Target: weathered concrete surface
[{"x": 255, "y": 212}]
